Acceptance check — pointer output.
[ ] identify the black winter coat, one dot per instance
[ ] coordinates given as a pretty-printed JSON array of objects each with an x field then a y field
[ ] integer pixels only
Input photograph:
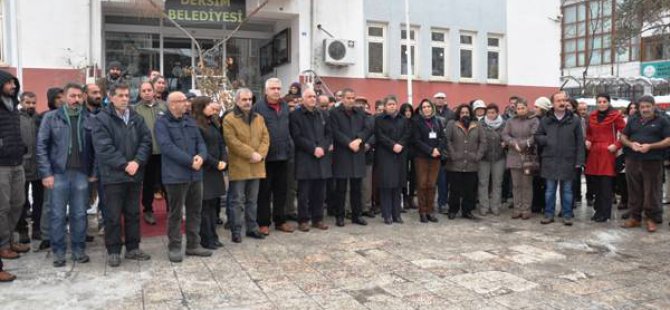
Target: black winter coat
[
  {"x": 391, "y": 167},
  {"x": 116, "y": 144},
  {"x": 278, "y": 127},
  {"x": 345, "y": 129},
  {"x": 212, "y": 179},
  {"x": 423, "y": 143},
  {"x": 310, "y": 130},
  {"x": 12, "y": 147},
  {"x": 562, "y": 146}
]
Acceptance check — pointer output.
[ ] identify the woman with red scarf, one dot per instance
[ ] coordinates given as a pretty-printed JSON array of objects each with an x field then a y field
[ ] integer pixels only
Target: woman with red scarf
[{"x": 602, "y": 141}]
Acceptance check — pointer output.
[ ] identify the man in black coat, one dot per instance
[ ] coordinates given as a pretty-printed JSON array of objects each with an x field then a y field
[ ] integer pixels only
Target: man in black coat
[
  {"x": 444, "y": 114},
  {"x": 122, "y": 143},
  {"x": 313, "y": 144},
  {"x": 561, "y": 140},
  {"x": 348, "y": 126},
  {"x": 273, "y": 189}
]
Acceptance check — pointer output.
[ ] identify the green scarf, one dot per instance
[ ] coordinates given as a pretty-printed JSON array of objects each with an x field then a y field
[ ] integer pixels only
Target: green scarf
[{"x": 69, "y": 112}]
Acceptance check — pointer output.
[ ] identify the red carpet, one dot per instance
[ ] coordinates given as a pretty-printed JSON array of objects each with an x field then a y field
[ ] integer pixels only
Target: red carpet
[{"x": 160, "y": 229}]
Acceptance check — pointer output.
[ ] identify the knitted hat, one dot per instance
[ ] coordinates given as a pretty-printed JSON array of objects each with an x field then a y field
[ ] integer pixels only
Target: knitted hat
[{"x": 543, "y": 103}]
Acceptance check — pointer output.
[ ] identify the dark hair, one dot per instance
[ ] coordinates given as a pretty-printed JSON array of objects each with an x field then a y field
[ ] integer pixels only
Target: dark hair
[
  {"x": 158, "y": 77},
  {"x": 27, "y": 94},
  {"x": 573, "y": 103},
  {"x": 492, "y": 106},
  {"x": 389, "y": 98},
  {"x": 378, "y": 103},
  {"x": 114, "y": 88},
  {"x": 460, "y": 107},
  {"x": 332, "y": 99},
  {"x": 404, "y": 107},
  {"x": 198, "y": 109},
  {"x": 604, "y": 95},
  {"x": 554, "y": 95},
  {"x": 515, "y": 98},
  {"x": 70, "y": 85},
  {"x": 419, "y": 108},
  {"x": 521, "y": 100},
  {"x": 648, "y": 99},
  {"x": 347, "y": 90},
  {"x": 632, "y": 103}
]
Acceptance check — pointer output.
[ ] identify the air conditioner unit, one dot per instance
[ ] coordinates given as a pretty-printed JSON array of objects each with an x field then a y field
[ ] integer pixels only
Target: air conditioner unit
[{"x": 338, "y": 52}]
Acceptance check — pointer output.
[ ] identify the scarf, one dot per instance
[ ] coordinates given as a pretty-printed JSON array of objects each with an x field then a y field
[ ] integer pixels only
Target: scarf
[
  {"x": 602, "y": 115},
  {"x": 70, "y": 112},
  {"x": 495, "y": 124}
]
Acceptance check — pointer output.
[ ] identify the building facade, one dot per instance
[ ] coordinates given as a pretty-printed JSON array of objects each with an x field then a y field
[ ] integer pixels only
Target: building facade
[{"x": 469, "y": 49}]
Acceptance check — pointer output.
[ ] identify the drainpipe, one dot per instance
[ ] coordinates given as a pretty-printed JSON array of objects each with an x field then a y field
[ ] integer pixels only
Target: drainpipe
[
  {"x": 312, "y": 61},
  {"x": 409, "y": 56},
  {"x": 16, "y": 22}
]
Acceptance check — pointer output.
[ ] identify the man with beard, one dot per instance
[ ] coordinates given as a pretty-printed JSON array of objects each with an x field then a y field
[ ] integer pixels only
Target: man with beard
[
  {"x": 113, "y": 77},
  {"x": 93, "y": 103},
  {"x": 12, "y": 177},
  {"x": 29, "y": 129}
]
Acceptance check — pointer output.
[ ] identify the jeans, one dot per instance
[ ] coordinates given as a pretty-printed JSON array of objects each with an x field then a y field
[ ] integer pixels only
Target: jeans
[
  {"x": 566, "y": 198},
  {"x": 442, "y": 188},
  {"x": 129, "y": 208},
  {"x": 45, "y": 219},
  {"x": 187, "y": 195},
  {"x": 310, "y": 200},
  {"x": 70, "y": 188},
  {"x": 272, "y": 193},
  {"x": 243, "y": 194},
  {"x": 12, "y": 181}
]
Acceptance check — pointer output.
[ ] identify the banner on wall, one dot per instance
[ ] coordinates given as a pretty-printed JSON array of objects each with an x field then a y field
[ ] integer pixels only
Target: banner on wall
[
  {"x": 658, "y": 69},
  {"x": 213, "y": 12}
]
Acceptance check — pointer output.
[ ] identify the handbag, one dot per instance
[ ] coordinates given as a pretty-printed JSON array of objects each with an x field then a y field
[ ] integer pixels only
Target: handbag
[{"x": 530, "y": 162}]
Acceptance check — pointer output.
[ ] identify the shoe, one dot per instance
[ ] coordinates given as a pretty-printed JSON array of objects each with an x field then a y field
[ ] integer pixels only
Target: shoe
[
  {"x": 286, "y": 227},
  {"x": 19, "y": 248},
  {"x": 431, "y": 218},
  {"x": 9, "y": 254},
  {"x": 137, "y": 254},
  {"x": 24, "y": 238},
  {"x": 45, "y": 244},
  {"x": 567, "y": 222},
  {"x": 388, "y": 221},
  {"x": 398, "y": 220},
  {"x": 631, "y": 223},
  {"x": 59, "y": 262},
  {"x": 339, "y": 221},
  {"x": 601, "y": 219},
  {"x": 149, "y": 218},
  {"x": 37, "y": 235},
  {"x": 470, "y": 216},
  {"x": 219, "y": 222},
  {"x": 198, "y": 252},
  {"x": 114, "y": 260},
  {"x": 482, "y": 213},
  {"x": 265, "y": 230},
  {"x": 256, "y": 234},
  {"x": 547, "y": 220},
  {"x": 81, "y": 258},
  {"x": 369, "y": 214},
  {"x": 403, "y": 210},
  {"x": 320, "y": 225},
  {"x": 625, "y": 215},
  {"x": 516, "y": 216},
  {"x": 443, "y": 210},
  {"x": 451, "y": 216},
  {"x": 175, "y": 256},
  {"x": 525, "y": 216},
  {"x": 423, "y": 218},
  {"x": 236, "y": 238},
  {"x": 622, "y": 206},
  {"x": 651, "y": 225},
  {"x": 89, "y": 238},
  {"x": 292, "y": 217},
  {"x": 304, "y": 227},
  {"x": 208, "y": 246},
  {"x": 217, "y": 243},
  {"x": 6, "y": 276},
  {"x": 359, "y": 220}
]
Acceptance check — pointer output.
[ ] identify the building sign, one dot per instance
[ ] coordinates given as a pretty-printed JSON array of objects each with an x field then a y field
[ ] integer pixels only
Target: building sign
[
  {"x": 658, "y": 69},
  {"x": 215, "y": 12}
]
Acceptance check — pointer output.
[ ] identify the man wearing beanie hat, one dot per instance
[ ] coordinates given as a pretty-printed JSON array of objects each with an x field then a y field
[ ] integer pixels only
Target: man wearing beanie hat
[{"x": 114, "y": 77}]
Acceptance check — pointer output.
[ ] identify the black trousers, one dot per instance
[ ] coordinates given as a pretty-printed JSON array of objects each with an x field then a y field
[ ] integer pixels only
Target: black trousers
[
  {"x": 331, "y": 195},
  {"x": 272, "y": 194},
  {"x": 208, "y": 221},
  {"x": 602, "y": 188},
  {"x": 463, "y": 192},
  {"x": 355, "y": 196},
  {"x": 390, "y": 202},
  {"x": 152, "y": 182},
  {"x": 507, "y": 185},
  {"x": 36, "y": 215},
  {"x": 122, "y": 199},
  {"x": 539, "y": 202},
  {"x": 577, "y": 185},
  {"x": 310, "y": 200},
  {"x": 621, "y": 187},
  {"x": 590, "y": 188}
]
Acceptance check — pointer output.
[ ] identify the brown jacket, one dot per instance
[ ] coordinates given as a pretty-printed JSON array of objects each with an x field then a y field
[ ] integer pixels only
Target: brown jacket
[
  {"x": 465, "y": 148},
  {"x": 243, "y": 139}
]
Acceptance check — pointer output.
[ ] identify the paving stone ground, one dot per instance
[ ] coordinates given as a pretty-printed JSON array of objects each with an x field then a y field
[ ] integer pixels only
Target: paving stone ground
[{"x": 496, "y": 263}]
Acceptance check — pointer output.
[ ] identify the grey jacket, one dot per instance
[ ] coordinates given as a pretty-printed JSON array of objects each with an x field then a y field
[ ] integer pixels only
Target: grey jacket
[
  {"x": 494, "y": 149},
  {"x": 29, "y": 129},
  {"x": 519, "y": 131},
  {"x": 464, "y": 148}
]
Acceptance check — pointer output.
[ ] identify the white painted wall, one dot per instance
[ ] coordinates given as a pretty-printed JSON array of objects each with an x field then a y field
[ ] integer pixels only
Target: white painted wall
[{"x": 533, "y": 43}]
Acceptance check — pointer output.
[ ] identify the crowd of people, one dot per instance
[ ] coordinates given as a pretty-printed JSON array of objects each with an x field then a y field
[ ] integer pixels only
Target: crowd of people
[{"x": 302, "y": 156}]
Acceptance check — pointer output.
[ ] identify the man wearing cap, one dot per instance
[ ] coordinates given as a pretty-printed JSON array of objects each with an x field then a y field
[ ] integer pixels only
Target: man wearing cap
[
  {"x": 645, "y": 139},
  {"x": 113, "y": 77},
  {"x": 444, "y": 114},
  {"x": 443, "y": 110}
]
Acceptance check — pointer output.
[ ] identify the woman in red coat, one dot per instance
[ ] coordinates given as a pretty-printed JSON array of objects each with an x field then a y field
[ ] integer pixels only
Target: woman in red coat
[{"x": 602, "y": 141}]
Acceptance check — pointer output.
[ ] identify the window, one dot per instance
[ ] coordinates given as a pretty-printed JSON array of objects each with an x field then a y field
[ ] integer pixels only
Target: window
[
  {"x": 408, "y": 44},
  {"x": 587, "y": 33},
  {"x": 656, "y": 47},
  {"x": 493, "y": 50},
  {"x": 438, "y": 46},
  {"x": 376, "y": 37},
  {"x": 467, "y": 55}
]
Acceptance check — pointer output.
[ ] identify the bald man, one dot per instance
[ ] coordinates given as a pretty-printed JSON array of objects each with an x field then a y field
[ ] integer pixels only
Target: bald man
[{"x": 183, "y": 153}]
